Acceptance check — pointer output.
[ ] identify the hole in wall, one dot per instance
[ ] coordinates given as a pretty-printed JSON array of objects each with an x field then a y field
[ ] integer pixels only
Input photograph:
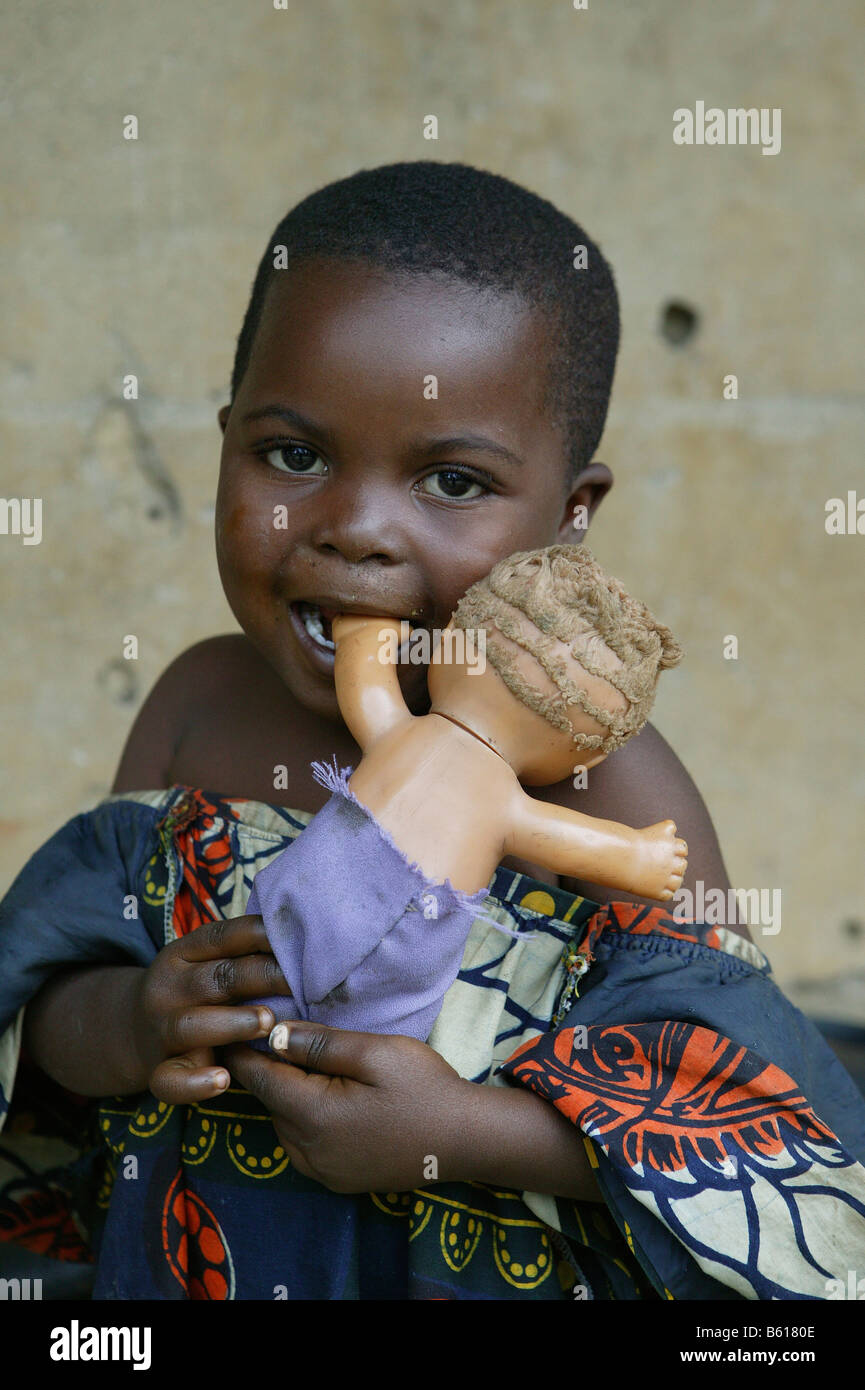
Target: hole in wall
[{"x": 679, "y": 322}]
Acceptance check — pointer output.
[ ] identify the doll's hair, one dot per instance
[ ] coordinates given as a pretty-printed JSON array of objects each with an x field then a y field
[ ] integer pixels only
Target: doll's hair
[{"x": 560, "y": 590}]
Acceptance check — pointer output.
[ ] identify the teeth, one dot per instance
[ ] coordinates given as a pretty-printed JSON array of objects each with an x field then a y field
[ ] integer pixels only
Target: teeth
[
  {"x": 312, "y": 621},
  {"x": 313, "y": 624}
]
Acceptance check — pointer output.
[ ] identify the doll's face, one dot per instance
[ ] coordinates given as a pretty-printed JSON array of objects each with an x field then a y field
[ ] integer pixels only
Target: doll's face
[{"x": 539, "y": 753}]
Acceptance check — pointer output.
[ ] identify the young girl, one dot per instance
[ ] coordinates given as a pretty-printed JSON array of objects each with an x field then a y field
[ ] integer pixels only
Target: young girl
[{"x": 420, "y": 384}]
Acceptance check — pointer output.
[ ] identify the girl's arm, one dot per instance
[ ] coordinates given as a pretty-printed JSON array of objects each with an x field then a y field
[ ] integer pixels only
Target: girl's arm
[
  {"x": 520, "y": 1141},
  {"x": 81, "y": 1030}
]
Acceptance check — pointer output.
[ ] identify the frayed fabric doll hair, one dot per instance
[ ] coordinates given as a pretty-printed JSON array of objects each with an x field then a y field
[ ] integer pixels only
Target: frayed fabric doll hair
[{"x": 562, "y": 590}]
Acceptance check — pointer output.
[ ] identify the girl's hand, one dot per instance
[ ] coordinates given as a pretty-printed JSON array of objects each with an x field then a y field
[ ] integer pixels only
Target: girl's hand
[
  {"x": 361, "y": 1112},
  {"x": 189, "y": 1001}
]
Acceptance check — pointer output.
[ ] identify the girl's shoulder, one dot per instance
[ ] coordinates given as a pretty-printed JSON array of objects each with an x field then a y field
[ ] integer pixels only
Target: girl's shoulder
[
  {"x": 199, "y": 679},
  {"x": 219, "y": 717}
]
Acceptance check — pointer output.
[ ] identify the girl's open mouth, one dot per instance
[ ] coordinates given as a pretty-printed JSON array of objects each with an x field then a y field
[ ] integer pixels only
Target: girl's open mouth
[
  {"x": 313, "y": 625},
  {"x": 317, "y": 622}
]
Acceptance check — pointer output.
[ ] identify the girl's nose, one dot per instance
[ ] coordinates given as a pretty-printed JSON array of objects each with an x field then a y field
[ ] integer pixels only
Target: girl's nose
[{"x": 358, "y": 524}]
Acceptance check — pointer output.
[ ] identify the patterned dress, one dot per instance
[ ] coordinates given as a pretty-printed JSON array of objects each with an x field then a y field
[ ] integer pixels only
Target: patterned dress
[{"x": 726, "y": 1138}]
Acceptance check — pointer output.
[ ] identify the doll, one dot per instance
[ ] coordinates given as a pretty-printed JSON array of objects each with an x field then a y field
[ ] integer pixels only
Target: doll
[{"x": 369, "y": 909}]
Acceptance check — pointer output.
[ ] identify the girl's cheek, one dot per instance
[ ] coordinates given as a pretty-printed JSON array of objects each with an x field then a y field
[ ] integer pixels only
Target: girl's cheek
[{"x": 238, "y": 530}]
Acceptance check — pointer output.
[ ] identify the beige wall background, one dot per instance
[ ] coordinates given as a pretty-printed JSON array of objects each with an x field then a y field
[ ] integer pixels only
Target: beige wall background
[{"x": 123, "y": 256}]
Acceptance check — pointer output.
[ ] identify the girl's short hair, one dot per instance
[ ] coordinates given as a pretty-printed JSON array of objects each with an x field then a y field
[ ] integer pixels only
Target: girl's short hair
[{"x": 429, "y": 218}]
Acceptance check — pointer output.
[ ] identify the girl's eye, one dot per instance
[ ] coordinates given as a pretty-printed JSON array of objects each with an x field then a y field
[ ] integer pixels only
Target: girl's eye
[
  {"x": 295, "y": 458},
  {"x": 451, "y": 483}
]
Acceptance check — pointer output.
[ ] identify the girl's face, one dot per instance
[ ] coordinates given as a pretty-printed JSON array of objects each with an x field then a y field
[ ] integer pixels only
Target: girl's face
[{"x": 386, "y": 447}]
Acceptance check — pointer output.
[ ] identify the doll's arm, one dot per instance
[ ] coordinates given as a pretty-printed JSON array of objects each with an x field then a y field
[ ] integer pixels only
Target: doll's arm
[
  {"x": 649, "y": 863},
  {"x": 367, "y": 688}
]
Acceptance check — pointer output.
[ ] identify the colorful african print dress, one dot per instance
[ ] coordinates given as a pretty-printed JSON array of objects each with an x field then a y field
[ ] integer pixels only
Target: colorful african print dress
[{"x": 727, "y": 1140}]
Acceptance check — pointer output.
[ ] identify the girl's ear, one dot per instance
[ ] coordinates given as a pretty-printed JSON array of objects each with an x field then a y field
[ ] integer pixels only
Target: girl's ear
[
  {"x": 589, "y": 489},
  {"x": 222, "y": 417}
]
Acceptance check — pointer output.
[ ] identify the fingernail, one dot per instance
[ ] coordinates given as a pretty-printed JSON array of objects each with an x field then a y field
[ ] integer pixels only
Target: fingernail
[
  {"x": 278, "y": 1039},
  {"x": 220, "y": 1079},
  {"x": 265, "y": 1020}
]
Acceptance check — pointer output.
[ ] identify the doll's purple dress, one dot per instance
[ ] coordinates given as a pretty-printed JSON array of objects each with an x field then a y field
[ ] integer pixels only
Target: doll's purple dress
[{"x": 364, "y": 939}]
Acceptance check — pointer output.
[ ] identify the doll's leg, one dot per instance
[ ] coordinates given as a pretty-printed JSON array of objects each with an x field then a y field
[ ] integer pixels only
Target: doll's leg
[{"x": 650, "y": 863}]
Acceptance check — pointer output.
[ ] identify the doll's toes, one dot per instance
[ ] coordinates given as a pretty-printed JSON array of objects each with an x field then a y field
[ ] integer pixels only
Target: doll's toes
[{"x": 661, "y": 830}]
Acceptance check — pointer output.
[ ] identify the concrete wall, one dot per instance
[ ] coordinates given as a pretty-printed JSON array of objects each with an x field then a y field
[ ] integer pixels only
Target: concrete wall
[{"x": 125, "y": 256}]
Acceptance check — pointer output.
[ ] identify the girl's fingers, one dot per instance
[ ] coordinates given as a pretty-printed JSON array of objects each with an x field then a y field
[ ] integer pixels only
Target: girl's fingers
[
  {"x": 238, "y": 936},
  {"x": 215, "y": 1026},
  {"x": 240, "y": 977},
  {"x": 233, "y": 960},
  {"x": 189, "y": 1078}
]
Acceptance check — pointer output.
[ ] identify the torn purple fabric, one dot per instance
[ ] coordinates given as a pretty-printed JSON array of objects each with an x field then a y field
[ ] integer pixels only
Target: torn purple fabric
[{"x": 364, "y": 939}]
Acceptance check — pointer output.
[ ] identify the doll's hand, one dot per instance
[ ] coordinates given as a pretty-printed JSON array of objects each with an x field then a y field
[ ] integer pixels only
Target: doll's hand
[
  {"x": 369, "y": 1112},
  {"x": 187, "y": 1004}
]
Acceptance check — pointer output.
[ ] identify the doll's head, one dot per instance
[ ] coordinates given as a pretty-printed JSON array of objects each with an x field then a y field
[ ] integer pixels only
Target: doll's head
[{"x": 563, "y": 634}]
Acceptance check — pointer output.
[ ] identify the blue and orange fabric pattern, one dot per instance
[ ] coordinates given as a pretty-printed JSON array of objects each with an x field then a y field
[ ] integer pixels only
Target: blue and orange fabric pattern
[
  {"x": 696, "y": 1132},
  {"x": 728, "y": 1141}
]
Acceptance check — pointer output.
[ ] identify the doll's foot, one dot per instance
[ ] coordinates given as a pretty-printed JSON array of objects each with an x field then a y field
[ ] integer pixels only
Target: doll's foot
[{"x": 660, "y": 861}]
